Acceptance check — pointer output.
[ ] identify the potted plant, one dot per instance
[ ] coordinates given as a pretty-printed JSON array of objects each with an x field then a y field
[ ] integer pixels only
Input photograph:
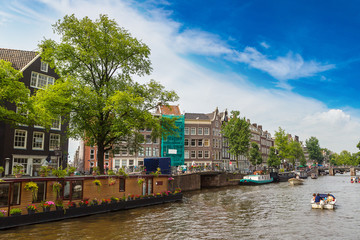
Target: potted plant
[
  {"x": 1, "y": 170},
  {"x": 59, "y": 205},
  {"x": 33, "y": 187},
  {"x": 114, "y": 199},
  {"x": 56, "y": 189},
  {"x": 111, "y": 172},
  {"x": 71, "y": 205},
  {"x": 44, "y": 171},
  {"x": 31, "y": 208},
  {"x": 46, "y": 206},
  {"x": 122, "y": 172},
  {"x": 94, "y": 202},
  {"x": 157, "y": 173},
  {"x": 15, "y": 212},
  {"x": 112, "y": 181},
  {"x": 84, "y": 203},
  {"x": 95, "y": 171},
  {"x": 2, "y": 213},
  {"x": 140, "y": 181},
  {"x": 105, "y": 201},
  {"x": 18, "y": 170},
  {"x": 71, "y": 171},
  {"x": 97, "y": 184},
  {"x": 59, "y": 172}
]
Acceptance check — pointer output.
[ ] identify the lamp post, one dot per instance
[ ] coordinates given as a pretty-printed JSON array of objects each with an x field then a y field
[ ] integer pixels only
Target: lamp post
[{"x": 57, "y": 152}]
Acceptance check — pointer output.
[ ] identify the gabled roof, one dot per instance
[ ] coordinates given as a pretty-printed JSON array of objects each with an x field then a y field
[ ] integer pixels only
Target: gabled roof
[
  {"x": 19, "y": 58},
  {"x": 197, "y": 116},
  {"x": 169, "y": 110}
]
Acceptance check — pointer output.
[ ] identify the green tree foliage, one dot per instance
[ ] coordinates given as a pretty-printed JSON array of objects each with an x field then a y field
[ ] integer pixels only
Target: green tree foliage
[
  {"x": 282, "y": 143},
  {"x": 312, "y": 144},
  {"x": 295, "y": 152},
  {"x": 96, "y": 61},
  {"x": 344, "y": 158},
  {"x": 12, "y": 91},
  {"x": 273, "y": 159},
  {"x": 255, "y": 154},
  {"x": 358, "y": 145},
  {"x": 238, "y": 133}
]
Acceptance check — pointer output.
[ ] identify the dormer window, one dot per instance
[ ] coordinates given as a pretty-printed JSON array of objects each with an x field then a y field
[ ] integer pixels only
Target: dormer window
[{"x": 44, "y": 66}]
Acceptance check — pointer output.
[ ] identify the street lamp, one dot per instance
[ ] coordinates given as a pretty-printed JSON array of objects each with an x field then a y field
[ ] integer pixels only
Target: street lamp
[{"x": 58, "y": 153}]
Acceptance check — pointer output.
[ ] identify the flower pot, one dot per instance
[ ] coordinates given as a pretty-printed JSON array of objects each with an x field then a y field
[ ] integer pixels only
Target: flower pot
[
  {"x": 18, "y": 175},
  {"x": 83, "y": 205},
  {"x": 46, "y": 209},
  {"x": 31, "y": 211},
  {"x": 59, "y": 208}
]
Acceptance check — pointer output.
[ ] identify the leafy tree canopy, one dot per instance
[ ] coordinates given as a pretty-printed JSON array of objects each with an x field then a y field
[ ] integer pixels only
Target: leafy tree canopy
[
  {"x": 237, "y": 132},
  {"x": 13, "y": 91},
  {"x": 295, "y": 151},
  {"x": 273, "y": 159},
  {"x": 312, "y": 144},
  {"x": 255, "y": 154},
  {"x": 96, "y": 61},
  {"x": 282, "y": 143}
]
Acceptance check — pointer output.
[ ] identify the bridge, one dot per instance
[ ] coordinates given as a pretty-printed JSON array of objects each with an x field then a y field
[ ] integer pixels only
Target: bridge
[{"x": 336, "y": 169}]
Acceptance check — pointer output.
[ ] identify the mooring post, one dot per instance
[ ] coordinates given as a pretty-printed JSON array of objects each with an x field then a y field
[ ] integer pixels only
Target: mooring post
[{"x": 331, "y": 171}]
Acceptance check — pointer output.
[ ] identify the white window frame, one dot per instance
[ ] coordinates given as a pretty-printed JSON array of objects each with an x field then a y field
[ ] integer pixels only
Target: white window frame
[
  {"x": 200, "y": 154},
  {"x": 193, "y": 131},
  {"x": 44, "y": 67},
  {"x": 92, "y": 154},
  {"x": 186, "y": 154},
  {"x": 52, "y": 139},
  {"x": 55, "y": 127},
  {"x": 186, "y": 131},
  {"x": 206, "y": 152},
  {"x": 35, "y": 142},
  {"x": 25, "y": 139},
  {"x": 106, "y": 155},
  {"x": 35, "y": 79},
  {"x": 206, "y": 131},
  {"x": 206, "y": 142},
  {"x": 193, "y": 141},
  {"x": 186, "y": 142},
  {"x": 200, "y": 131},
  {"x": 193, "y": 154}
]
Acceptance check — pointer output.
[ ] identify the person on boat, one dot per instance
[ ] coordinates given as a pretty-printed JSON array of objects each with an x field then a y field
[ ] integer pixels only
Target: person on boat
[
  {"x": 317, "y": 198},
  {"x": 330, "y": 198},
  {"x": 314, "y": 196}
]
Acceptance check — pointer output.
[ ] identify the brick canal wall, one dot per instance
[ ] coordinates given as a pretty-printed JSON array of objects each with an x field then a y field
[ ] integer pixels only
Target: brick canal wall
[{"x": 197, "y": 181}]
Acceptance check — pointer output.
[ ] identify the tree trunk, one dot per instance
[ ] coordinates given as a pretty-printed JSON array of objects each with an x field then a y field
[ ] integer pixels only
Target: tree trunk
[
  {"x": 100, "y": 157},
  {"x": 237, "y": 162}
]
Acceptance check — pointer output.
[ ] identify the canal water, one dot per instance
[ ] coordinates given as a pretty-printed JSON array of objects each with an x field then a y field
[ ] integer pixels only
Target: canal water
[{"x": 272, "y": 211}]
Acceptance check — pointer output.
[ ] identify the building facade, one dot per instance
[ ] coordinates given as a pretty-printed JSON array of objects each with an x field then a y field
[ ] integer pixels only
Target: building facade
[{"x": 32, "y": 146}]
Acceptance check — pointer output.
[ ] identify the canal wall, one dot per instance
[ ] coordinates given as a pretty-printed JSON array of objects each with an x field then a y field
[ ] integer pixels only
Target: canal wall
[{"x": 197, "y": 181}]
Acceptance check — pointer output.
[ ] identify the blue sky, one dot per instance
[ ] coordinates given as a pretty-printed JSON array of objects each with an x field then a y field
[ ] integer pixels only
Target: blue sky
[{"x": 293, "y": 64}]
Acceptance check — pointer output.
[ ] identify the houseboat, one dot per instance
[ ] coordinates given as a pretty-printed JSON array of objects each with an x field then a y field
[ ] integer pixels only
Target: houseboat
[
  {"x": 30, "y": 200},
  {"x": 256, "y": 179},
  {"x": 285, "y": 176}
]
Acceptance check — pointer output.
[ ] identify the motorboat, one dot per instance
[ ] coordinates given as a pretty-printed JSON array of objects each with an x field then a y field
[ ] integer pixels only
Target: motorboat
[
  {"x": 314, "y": 176},
  {"x": 354, "y": 180},
  {"x": 256, "y": 179},
  {"x": 302, "y": 174},
  {"x": 324, "y": 203},
  {"x": 296, "y": 181}
]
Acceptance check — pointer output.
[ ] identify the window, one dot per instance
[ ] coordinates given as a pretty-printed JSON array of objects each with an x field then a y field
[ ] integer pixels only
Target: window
[
  {"x": 200, "y": 142},
  {"x": 55, "y": 142},
  {"x": 186, "y": 154},
  {"x": 44, "y": 66},
  {"x": 38, "y": 141},
  {"x": 92, "y": 154},
  {"x": 200, "y": 154},
  {"x": 206, "y": 154},
  {"x": 206, "y": 131},
  {"x": 56, "y": 124},
  {"x": 193, "y": 154},
  {"x": 148, "y": 138},
  {"x": 141, "y": 151},
  {"x": 193, "y": 131},
  {"x": 4, "y": 196},
  {"x": 20, "y": 138},
  {"x": 92, "y": 164},
  {"x": 148, "y": 152},
  {"x": 207, "y": 142},
  {"x": 200, "y": 131},
  {"x": 41, "y": 194},
  {"x": 122, "y": 185},
  {"x": 155, "y": 140},
  {"x": 117, "y": 164},
  {"x": 123, "y": 163},
  {"x": 40, "y": 80},
  {"x": 76, "y": 190},
  {"x": 140, "y": 163},
  {"x": 15, "y": 197},
  {"x": 21, "y": 161},
  {"x": 155, "y": 152},
  {"x": 106, "y": 155},
  {"x": 186, "y": 143},
  {"x": 193, "y": 142},
  {"x": 67, "y": 190},
  {"x": 131, "y": 162},
  {"x": 216, "y": 124},
  {"x": 186, "y": 131}
]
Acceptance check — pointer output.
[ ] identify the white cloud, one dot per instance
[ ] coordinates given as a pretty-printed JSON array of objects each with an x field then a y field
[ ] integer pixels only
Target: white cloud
[
  {"x": 202, "y": 90},
  {"x": 265, "y": 45}
]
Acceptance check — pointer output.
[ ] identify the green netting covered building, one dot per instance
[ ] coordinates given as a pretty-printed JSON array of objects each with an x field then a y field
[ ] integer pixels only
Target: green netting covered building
[{"x": 173, "y": 146}]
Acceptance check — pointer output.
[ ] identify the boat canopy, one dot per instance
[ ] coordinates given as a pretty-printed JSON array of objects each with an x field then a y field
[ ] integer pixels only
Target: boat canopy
[{"x": 324, "y": 195}]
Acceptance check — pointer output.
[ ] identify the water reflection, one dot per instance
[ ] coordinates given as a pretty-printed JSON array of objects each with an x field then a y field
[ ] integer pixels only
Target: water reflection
[{"x": 273, "y": 211}]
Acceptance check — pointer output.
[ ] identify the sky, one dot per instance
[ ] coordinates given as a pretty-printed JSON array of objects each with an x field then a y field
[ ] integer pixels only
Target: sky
[{"x": 289, "y": 64}]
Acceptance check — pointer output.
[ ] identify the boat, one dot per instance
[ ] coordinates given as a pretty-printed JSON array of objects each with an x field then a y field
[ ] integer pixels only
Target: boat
[
  {"x": 301, "y": 174},
  {"x": 354, "y": 180},
  {"x": 323, "y": 204},
  {"x": 314, "y": 176},
  {"x": 285, "y": 176},
  {"x": 295, "y": 181},
  {"x": 256, "y": 179}
]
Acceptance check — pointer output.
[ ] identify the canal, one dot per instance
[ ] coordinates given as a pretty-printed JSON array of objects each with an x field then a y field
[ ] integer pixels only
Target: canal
[{"x": 273, "y": 211}]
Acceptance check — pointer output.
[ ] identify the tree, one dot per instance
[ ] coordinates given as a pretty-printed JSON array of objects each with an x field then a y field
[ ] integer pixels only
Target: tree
[
  {"x": 312, "y": 144},
  {"x": 14, "y": 92},
  {"x": 273, "y": 159},
  {"x": 96, "y": 61},
  {"x": 255, "y": 154},
  {"x": 237, "y": 131},
  {"x": 358, "y": 145},
  {"x": 295, "y": 152},
  {"x": 282, "y": 143}
]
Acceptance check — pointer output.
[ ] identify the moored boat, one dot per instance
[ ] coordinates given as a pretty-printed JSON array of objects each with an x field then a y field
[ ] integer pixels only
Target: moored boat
[
  {"x": 256, "y": 179},
  {"x": 324, "y": 202},
  {"x": 285, "y": 176},
  {"x": 314, "y": 176},
  {"x": 295, "y": 181}
]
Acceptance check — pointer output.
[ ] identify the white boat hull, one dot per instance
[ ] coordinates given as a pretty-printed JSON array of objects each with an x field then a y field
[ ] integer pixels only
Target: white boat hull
[{"x": 323, "y": 205}]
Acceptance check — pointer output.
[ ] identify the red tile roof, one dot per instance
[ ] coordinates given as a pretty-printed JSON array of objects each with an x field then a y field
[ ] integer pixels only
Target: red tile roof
[
  {"x": 170, "y": 110},
  {"x": 18, "y": 58}
]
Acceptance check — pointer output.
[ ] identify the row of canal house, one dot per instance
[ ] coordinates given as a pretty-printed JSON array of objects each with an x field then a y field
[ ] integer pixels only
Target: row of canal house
[
  {"x": 199, "y": 142},
  {"x": 31, "y": 146}
]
